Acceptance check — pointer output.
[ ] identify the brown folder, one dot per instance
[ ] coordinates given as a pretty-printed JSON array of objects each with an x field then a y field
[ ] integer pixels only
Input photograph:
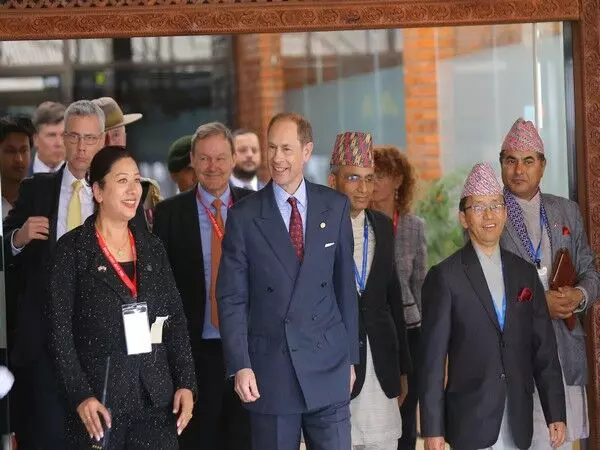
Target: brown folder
[{"x": 564, "y": 275}]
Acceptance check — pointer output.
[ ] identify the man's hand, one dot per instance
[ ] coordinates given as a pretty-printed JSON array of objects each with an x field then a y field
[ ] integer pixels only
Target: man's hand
[
  {"x": 557, "y": 430},
  {"x": 245, "y": 386},
  {"x": 560, "y": 305},
  {"x": 403, "y": 390},
  {"x": 574, "y": 295},
  {"x": 435, "y": 443},
  {"x": 352, "y": 377},
  {"x": 33, "y": 228}
]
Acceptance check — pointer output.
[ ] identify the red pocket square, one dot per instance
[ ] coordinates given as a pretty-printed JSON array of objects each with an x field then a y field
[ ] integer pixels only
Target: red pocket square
[
  {"x": 525, "y": 295},
  {"x": 566, "y": 231}
]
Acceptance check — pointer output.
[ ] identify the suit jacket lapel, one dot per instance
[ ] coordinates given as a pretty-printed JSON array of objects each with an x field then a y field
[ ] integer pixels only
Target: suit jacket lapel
[
  {"x": 271, "y": 225},
  {"x": 517, "y": 241},
  {"x": 316, "y": 214},
  {"x": 510, "y": 288},
  {"x": 53, "y": 219},
  {"x": 379, "y": 250},
  {"x": 476, "y": 277},
  {"x": 190, "y": 228},
  {"x": 554, "y": 223}
]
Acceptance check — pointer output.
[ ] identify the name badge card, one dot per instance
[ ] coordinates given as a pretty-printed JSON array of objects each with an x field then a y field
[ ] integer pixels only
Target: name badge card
[
  {"x": 543, "y": 275},
  {"x": 137, "y": 328}
]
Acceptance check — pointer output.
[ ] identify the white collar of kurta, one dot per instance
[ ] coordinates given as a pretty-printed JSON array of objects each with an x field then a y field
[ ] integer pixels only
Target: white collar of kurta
[
  {"x": 533, "y": 204},
  {"x": 359, "y": 221},
  {"x": 493, "y": 258}
]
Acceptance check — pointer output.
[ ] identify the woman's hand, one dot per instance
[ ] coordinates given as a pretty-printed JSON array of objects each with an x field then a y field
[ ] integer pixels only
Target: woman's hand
[
  {"x": 89, "y": 412},
  {"x": 183, "y": 403}
]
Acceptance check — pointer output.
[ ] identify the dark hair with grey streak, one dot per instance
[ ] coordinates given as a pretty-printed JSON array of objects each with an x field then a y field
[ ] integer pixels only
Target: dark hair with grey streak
[
  {"x": 207, "y": 130},
  {"x": 85, "y": 108}
]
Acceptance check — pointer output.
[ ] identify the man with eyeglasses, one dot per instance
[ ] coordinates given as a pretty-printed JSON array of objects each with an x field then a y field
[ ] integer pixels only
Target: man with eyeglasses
[
  {"x": 486, "y": 316},
  {"x": 538, "y": 226},
  {"x": 381, "y": 382},
  {"x": 48, "y": 205}
]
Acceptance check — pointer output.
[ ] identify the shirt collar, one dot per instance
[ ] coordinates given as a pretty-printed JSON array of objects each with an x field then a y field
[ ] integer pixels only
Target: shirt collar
[
  {"x": 207, "y": 198},
  {"x": 359, "y": 220},
  {"x": 533, "y": 203},
  {"x": 68, "y": 179},
  {"x": 494, "y": 257},
  {"x": 40, "y": 167},
  {"x": 281, "y": 196}
]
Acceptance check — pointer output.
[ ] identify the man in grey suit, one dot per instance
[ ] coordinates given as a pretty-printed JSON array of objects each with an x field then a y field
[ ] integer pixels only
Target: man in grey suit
[{"x": 538, "y": 226}]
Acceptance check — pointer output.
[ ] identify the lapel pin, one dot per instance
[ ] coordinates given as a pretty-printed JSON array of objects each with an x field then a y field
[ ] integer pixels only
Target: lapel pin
[
  {"x": 101, "y": 268},
  {"x": 323, "y": 225},
  {"x": 149, "y": 268}
]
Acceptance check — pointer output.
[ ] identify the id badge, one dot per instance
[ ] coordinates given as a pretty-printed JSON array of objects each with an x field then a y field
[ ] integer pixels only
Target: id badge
[
  {"x": 543, "y": 275},
  {"x": 137, "y": 328}
]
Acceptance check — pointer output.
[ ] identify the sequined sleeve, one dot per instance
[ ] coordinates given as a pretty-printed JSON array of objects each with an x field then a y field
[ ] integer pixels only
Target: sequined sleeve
[{"x": 63, "y": 287}]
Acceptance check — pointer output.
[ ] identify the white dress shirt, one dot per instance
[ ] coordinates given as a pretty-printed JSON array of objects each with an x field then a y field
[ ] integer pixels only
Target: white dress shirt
[
  {"x": 66, "y": 191},
  {"x": 40, "y": 167},
  {"x": 251, "y": 184}
]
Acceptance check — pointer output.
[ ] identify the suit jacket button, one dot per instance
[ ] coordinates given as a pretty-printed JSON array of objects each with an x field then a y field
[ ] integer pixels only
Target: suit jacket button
[
  {"x": 324, "y": 283},
  {"x": 361, "y": 343},
  {"x": 503, "y": 377},
  {"x": 269, "y": 289},
  {"x": 287, "y": 321},
  {"x": 319, "y": 345},
  {"x": 314, "y": 317}
]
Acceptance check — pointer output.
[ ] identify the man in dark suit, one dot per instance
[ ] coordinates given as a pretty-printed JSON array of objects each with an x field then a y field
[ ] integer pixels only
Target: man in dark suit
[
  {"x": 486, "y": 313},
  {"x": 381, "y": 384},
  {"x": 287, "y": 301},
  {"x": 48, "y": 205},
  {"x": 48, "y": 120},
  {"x": 191, "y": 227}
]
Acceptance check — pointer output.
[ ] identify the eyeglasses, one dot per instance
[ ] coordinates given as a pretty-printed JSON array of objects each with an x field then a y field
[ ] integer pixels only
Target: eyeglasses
[
  {"x": 87, "y": 139},
  {"x": 479, "y": 209},
  {"x": 355, "y": 179}
]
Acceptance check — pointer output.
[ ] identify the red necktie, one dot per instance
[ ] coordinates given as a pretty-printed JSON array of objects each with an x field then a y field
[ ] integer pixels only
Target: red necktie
[
  {"x": 296, "y": 229},
  {"x": 215, "y": 253}
]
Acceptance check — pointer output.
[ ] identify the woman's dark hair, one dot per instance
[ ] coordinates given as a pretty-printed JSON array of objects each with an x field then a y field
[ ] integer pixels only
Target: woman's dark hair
[{"x": 103, "y": 161}]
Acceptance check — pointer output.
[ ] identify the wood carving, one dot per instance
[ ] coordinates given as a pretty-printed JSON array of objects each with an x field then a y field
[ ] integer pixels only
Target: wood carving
[{"x": 60, "y": 19}]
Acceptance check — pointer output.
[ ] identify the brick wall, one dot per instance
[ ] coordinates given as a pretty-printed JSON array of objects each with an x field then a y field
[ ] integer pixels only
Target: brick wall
[{"x": 260, "y": 84}]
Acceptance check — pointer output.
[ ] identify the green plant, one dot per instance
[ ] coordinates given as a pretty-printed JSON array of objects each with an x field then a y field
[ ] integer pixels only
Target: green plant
[{"x": 439, "y": 209}]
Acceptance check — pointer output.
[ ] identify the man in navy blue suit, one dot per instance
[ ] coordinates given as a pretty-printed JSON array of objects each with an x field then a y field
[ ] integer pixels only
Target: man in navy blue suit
[{"x": 288, "y": 306}]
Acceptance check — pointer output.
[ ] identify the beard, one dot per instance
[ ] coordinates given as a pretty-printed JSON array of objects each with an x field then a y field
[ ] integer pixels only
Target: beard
[{"x": 244, "y": 174}]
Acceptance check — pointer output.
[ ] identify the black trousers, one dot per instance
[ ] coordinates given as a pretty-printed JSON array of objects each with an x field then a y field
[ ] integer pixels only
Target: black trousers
[
  {"x": 408, "y": 411},
  {"x": 37, "y": 407},
  {"x": 137, "y": 426},
  {"x": 220, "y": 422}
]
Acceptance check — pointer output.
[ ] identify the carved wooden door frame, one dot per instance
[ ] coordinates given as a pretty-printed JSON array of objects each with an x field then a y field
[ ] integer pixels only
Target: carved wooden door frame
[{"x": 69, "y": 19}]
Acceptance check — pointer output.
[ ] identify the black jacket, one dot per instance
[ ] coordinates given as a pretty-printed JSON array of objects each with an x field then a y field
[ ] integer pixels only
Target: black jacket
[
  {"x": 38, "y": 196},
  {"x": 86, "y": 322},
  {"x": 381, "y": 314},
  {"x": 486, "y": 365},
  {"x": 177, "y": 224}
]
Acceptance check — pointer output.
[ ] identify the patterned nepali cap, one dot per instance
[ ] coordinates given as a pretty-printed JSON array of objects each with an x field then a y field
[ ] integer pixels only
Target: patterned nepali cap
[
  {"x": 353, "y": 148},
  {"x": 481, "y": 181},
  {"x": 523, "y": 136}
]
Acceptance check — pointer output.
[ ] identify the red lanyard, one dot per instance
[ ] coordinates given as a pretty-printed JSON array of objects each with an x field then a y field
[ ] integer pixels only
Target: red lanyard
[
  {"x": 395, "y": 221},
  {"x": 212, "y": 217},
  {"x": 131, "y": 284}
]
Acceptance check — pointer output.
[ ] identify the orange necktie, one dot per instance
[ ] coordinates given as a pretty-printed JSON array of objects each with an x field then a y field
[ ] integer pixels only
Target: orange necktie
[{"x": 215, "y": 259}]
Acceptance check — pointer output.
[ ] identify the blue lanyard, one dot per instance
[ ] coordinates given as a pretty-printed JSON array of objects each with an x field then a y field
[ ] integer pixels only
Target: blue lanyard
[
  {"x": 537, "y": 254},
  {"x": 362, "y": 278},
  {"x": 500, "y": 314}
]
